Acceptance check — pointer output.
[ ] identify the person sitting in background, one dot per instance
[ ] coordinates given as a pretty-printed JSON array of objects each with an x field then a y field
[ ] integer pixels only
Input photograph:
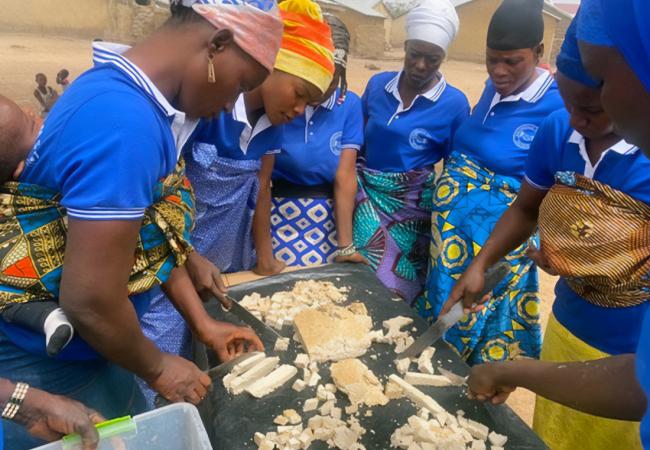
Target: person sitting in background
[
  {"x": 481, "y": 179},
  {"x": 44, "y": 94},
  {"x": 411, "y": 117},
  {"x": 589, "y": 192},
  {"x": 62, "y": 79},
  {"x": 614, "y": 46},
  {"x": 230, "y": 160},
  {"x": 315, "y": 179}
]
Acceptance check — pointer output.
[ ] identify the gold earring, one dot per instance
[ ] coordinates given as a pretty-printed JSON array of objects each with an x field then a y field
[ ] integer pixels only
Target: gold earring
[{"x": 212, "y": 78}]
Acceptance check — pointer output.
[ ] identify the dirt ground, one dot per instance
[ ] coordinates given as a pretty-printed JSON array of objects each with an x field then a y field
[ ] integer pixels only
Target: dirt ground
[{"x": 24, "y": 55}]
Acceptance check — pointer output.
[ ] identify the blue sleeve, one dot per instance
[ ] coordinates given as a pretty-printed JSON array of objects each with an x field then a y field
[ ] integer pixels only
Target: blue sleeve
[
  {"x": 275, "y": 141},
  {"x": 541, "y": 163},
  {"x": 463, "y": 114},
  {"x": 352, "y": 137},
  {"x": 114, "y": 159}
]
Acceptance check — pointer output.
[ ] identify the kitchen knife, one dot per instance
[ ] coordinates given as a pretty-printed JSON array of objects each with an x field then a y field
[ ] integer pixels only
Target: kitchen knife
[
  {"x": 249, "y": 319},
  {"x": 493, "y": 276}
]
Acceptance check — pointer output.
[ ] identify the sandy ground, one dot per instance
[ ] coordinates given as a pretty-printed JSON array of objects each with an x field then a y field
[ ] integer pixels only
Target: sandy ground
[{"x": 24, "y": 55}]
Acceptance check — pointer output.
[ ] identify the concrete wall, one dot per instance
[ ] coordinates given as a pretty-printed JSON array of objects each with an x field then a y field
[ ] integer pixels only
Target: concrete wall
[
  {"x": 119, "y": 20},
  {"x": 83, "y": 18},
  {"x": 367, "y": 33},
  {"x": 474, "y": 20}
]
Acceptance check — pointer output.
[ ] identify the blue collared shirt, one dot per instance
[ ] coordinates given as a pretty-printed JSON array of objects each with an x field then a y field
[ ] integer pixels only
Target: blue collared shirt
[
  {"x": 312, "y": 144},
  {"x": 104, "y": 146},
  {"x": 231, "y": 136},
  {"x": 401, "y": 139},
  {"x": 558, "y": 148},
  {"x": 500, "y": 131}
]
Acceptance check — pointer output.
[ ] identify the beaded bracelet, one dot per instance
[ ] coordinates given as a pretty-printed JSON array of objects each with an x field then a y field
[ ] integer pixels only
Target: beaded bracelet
[
  {"x": 16, "y": 401},
  {"x": 347, "y": 251}
]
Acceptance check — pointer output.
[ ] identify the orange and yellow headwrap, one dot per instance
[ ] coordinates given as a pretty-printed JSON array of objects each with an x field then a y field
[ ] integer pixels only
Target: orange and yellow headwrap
[{"x": 307, "y": 50}]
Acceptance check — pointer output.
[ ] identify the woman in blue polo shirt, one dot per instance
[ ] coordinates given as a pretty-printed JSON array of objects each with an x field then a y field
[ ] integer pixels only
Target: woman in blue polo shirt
[
  {"x": 93, "y": 183},
  {"x": 589, "y": 192},
  {"x": 481, "y": 178},
  {"x": 317, "y": 164},
  {"x": 230, "y": 161},
  {"x": 411, "y": 117}
]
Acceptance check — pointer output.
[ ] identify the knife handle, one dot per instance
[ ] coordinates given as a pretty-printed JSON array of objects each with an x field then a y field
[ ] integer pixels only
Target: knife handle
[{"x": 453, "y": 316}]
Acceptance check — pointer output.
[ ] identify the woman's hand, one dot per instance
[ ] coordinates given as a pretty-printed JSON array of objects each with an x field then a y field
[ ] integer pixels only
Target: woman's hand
[
  {"x": 228, "y": 340},
  {"x": 467, "y": 290},
  {"x": 50, "y": 417},
  {"x": 206, "y": 278},
  {"x": 180, "y": 380},
  {"x": 484, "y": 383}
]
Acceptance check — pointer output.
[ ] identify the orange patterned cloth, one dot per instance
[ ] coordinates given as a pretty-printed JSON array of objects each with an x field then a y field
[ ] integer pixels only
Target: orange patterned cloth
[
  {"x": 307, "y": 49},
  {"x": 598, "y": 239}
]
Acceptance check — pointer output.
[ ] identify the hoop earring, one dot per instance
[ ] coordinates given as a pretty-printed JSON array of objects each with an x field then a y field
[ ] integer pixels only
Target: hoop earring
[{"x": 212, "y": 78}]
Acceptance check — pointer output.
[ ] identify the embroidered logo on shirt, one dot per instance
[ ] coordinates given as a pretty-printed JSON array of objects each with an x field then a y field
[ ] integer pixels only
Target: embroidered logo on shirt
[
  {"x": 335, "y": 143},
  {"x": 524, "y": 135},
  {"x": 419, "y": 139}
]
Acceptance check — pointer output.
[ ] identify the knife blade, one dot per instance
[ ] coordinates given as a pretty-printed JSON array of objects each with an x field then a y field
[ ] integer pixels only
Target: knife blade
[
  {"x": 225, "y": 368},
  {"x": 249, "y": 319},
  {"x": 493, "y": 276}
]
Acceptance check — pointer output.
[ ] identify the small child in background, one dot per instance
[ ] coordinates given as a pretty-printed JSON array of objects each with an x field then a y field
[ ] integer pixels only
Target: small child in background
[
  {"x": 62, "y": 79},
  {"x": 45, "y": 95}
]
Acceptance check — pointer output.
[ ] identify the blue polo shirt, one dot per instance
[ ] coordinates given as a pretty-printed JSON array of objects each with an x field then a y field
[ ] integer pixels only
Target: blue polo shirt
[
  {"x": 643, "y": 375},
  {"x": 104, "y": 146},
  {"x": 400, "y": 139},
  {"x": 230, "y": 135},
  {"x": 500, "y": 130},
  {"x": 556, "y": 148},
  {"x": 312, "y": 144}
]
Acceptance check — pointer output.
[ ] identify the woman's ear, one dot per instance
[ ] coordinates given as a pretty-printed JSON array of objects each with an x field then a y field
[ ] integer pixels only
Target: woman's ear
[
  {"x": 539, "y": 51},
  {"x": 220, "y": 40}
]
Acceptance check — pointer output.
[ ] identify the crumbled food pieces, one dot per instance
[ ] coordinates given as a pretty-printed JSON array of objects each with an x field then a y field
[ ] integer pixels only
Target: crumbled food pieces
[
  {"x": 425, "y": 363},
  {"x": 292, "y": 415},
  {"x": 353, "y": 378},
  {"x": 298, "y": 385},
  {"x": 281, "y": 345},
  {"x": 332, "y": 333},
  {"x": 280, "y": 308},
  {"x": 301, "y": 361}
]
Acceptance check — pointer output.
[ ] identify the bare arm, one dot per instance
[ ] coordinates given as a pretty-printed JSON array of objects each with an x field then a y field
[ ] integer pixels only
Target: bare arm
[
  {"x": 513, "y": 229},
  {"x": 98, "y": 259},
  {"x": 605, "y": 387},
  {"x": 266, "y": 263}
]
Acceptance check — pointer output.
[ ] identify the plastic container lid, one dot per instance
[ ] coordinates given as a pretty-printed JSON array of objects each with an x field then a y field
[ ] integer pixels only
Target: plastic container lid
[{"x": 174, "y": 427}]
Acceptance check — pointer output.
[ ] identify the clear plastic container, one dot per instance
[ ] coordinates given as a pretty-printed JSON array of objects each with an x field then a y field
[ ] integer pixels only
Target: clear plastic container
[{"x": 174, "y": 427}]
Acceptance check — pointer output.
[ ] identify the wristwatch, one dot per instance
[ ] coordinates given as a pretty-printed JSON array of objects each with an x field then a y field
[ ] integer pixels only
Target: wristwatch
[{"x": 15, "y": 401}]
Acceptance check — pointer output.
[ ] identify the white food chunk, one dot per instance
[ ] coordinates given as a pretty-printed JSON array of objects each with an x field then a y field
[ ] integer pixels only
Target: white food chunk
[
  {"x": 281, "y": 420},
  {"x": 261, "y": 369},
  {"x": 497, "y": 439},
  {"x": 266, "y": 445},
  {"x": 293, "y": 416},
  {"x": 298, "y": 385},
  {"x": 281, "y": 345},
  {"x": 402, "y": 365},
  {"x": 424, "y": 379},
  {"x": 272, "y": 381},
  {"x": 425, "y": 364},
  {"x": 417, "y": 396},
  {"x": 246, "y": 364},
  {"x": 310, "y": 404},
  {"x": 301, "y": 361},
  {"x": 258, "y": 438}
]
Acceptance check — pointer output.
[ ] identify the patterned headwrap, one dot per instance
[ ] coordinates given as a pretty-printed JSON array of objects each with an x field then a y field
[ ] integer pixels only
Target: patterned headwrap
[
  {"x": 307, "y": 50},
  {"x": 628, "y": 24},
  {"x": 341, "y": 38},
  {"x": 569, "y": 62},
  {"x": 256, "y": 24}
]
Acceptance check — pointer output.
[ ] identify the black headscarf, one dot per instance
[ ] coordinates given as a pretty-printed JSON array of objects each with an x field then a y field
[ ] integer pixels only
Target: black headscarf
[
  {"x": 341, "y": 38},
  {"x": 516, "y": 24}
]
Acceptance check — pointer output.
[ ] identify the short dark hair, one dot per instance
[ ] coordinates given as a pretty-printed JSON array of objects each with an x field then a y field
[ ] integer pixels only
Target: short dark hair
[
  {"x": 182, "y": 14},
  {"x": 64, "y": 73}
]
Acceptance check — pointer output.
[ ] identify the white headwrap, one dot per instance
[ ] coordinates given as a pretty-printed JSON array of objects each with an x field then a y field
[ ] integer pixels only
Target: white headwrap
[{"x": 433, "y": 21}]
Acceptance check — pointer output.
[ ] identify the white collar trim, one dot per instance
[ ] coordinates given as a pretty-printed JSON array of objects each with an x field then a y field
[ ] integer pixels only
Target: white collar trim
[
  {"x": 532, "y": 93},
  {"x": 432, "y": 94},
  {"x": 621, "y": 147},
  {"x": 249, "y": 132},
  {"x": 111, "y": 53}
]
